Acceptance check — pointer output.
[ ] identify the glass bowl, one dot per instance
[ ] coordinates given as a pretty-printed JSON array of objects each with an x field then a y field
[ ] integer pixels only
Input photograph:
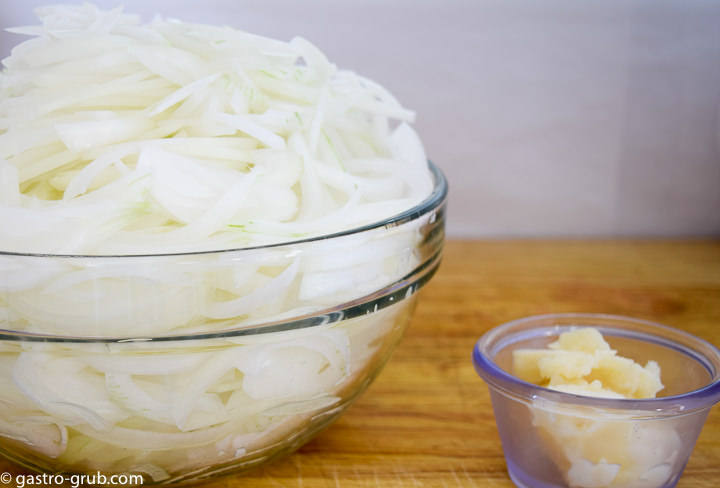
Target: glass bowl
[
  {"x": 553, "y": 439},
  {"x": 181, "y": 367}
]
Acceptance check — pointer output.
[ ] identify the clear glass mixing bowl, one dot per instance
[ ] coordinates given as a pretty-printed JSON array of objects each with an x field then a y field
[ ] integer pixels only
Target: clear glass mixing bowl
[{"x": 180, "y": 367}]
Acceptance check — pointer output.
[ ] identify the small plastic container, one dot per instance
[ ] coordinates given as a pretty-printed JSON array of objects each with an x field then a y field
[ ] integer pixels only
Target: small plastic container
[{"x": 553, "y": 439}]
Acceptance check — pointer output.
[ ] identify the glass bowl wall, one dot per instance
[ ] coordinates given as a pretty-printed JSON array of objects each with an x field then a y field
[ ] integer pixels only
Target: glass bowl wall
[{"x": 180, "y": 367}]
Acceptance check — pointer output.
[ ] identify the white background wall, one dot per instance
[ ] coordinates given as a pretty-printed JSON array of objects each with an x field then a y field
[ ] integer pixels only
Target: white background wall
[{"x": 552, "y": 118}]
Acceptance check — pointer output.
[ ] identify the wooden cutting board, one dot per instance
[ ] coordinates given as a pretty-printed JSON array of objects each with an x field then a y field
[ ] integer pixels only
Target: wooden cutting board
[{"x": 427, "y": 420}]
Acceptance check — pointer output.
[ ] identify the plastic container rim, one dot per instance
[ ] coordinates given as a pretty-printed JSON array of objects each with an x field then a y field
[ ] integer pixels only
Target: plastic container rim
[{"x": 499, "y": 379}]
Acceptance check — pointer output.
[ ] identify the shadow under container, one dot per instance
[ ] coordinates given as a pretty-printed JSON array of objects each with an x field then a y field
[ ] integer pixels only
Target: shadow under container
[
  {"x": 182, "y": 367},
  {"x": 553, "y": 439}
]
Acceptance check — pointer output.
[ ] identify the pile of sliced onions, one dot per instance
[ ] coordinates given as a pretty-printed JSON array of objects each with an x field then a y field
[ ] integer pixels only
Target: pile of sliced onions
[
  {"x": 125, "y": 145},
  {"x": 118, "y": 137}
]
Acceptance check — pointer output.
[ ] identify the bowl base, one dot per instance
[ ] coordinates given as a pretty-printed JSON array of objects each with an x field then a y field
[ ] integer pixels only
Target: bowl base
[{"x": 523, "y": 480}]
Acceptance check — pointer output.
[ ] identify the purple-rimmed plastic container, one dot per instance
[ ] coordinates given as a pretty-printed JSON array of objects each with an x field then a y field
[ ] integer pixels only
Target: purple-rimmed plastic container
[{"x": 553, "y": 439}]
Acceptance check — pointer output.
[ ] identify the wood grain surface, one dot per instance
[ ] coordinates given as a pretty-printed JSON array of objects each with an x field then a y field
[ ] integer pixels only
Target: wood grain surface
[{"x": 427, "y": 420}]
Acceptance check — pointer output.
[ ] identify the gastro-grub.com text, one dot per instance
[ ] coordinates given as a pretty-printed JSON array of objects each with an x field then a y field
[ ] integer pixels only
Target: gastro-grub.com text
[{"x": 75, "y": 480}]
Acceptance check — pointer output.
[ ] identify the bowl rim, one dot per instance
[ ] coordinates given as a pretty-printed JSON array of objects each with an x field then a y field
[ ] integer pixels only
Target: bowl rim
[
  {"x": 435, "y": 199},
  {"x": 391, "y": 294},
  {"x": 680, "y": 404}
]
